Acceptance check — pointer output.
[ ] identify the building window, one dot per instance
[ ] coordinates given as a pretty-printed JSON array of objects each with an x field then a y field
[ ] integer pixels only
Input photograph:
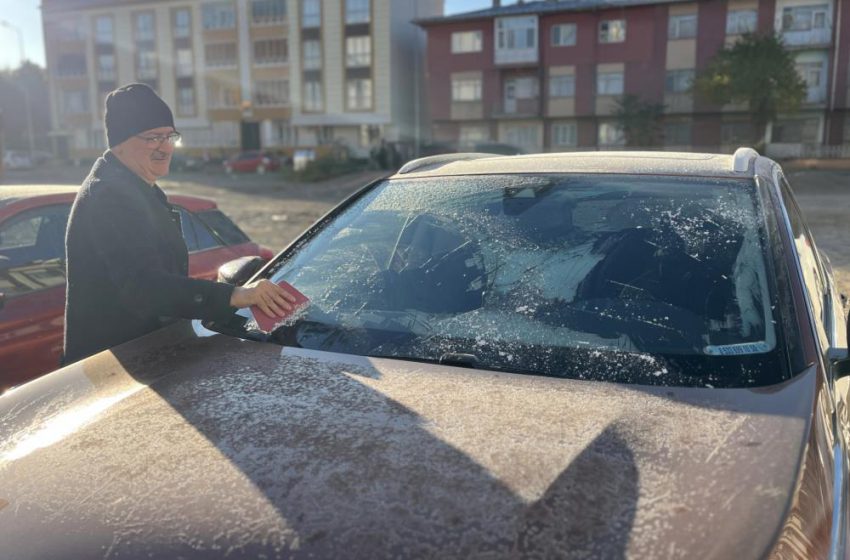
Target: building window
[
  {"x": 106, "y": 67},
  {"x": 516, "y": 33},
  {"x": 271, "y": 51},
  {"x": 564, "y": 134},
  {"x": 466, "y": 89},
  {"x": 358, "y": 51},
  {"x": 564, "y": 35},
  {"x": 75, "y": 102},
  {"x": 610, "y": 135},
  {"x": 466, "y": 41},
  {"x": 144, "y": 26},
  {"x": 145, "y": 62},
  {"x": 741, "y": 133},
  {"x": 805, "y": 18},
  {"x": 679, "y": 81},
  {"x": 182, "y": 23},
  {"x": 682, "y": 27},
  {"x": 525, "y": 136},
  {"x": 222, "y": 96},
  {"x": 186, "y": 101},
  {"x": 68, "y": 30},
  {"x": 609, "y": 83},
  {"x": 677, "y": 134},
  {"x": 277, "y": 133},
  {"x": 357, "y": 11},
  {"x": 796, "y": 131},
  {"x": 359, "y": 94},
  {"x": 220, "y": 55},
  {"x": 526, "y": 87},
  {"x": 814, "y": 74},
  {"x": 219, "y": 15},
  {"x": 739, "y": 22},
  {"x": 264, "y": 12},
  {"x": 271, "y": 93},
  {"x": 312, "y": 52},
  {"x": 313, "y": 96},
  {"x": 103, "y": 30},
  {"x": 473, "y": 134},
  {"x": 311, "y": 13},
  {"x": 71, "y": 65},
  {"x": 612, "y": 31},
  {"x": 184, "y": 65},
  {"x": 562, "y": 86}
]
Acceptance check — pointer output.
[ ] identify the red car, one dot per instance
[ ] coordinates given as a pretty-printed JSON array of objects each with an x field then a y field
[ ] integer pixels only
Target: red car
[
  {"x": 32, "y": 269},
  {"x": 252, "y": 162}
]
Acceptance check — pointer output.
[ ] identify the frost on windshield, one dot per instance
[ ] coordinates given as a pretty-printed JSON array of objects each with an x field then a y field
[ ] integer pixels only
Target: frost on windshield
[{"x": 522, "y": 271}]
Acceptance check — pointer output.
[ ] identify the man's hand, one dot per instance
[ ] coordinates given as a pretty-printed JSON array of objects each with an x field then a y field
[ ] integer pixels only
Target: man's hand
[{"x": 272, "y": 300}]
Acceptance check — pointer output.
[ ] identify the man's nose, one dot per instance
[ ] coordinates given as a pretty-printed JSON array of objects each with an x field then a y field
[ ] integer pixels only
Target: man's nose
[{"x": 166, "y": 147}]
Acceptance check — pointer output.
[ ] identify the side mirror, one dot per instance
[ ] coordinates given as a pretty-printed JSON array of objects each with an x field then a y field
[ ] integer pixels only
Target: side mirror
[
  {"x": 841, "y": 365},
  {"x": 238, "y": 271}
]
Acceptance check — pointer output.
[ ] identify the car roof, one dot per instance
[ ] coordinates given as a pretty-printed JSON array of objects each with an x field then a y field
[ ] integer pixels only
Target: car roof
[
  {"x": 739, "y": 165},
  {"x": 61, "y": 193}
]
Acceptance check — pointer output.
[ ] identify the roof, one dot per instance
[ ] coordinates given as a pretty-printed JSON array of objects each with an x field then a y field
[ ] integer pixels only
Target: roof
[
  {"x": 542, "y": 7},
  {"x": 64, "y": 5},
  {"x": 627, "y": 162},
  {"x": 13, "y": 193},
  {"x": 10, "y": 193}
]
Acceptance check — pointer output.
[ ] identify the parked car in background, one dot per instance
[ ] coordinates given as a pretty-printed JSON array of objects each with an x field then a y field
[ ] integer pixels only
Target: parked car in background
[
  {"x": 252, "y": 162},
  {"x": 32, "y": 269},
  {"x": 16, "y": 160},
  {"x": 596, "y": 355}
]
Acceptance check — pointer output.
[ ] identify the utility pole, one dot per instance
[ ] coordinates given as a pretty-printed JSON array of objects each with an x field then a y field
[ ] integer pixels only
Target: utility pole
[{"x": 30, "y": 136}]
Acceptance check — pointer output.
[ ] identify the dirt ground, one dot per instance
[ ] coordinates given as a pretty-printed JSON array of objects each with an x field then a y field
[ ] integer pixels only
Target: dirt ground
[{"x": 273, "y": 212}]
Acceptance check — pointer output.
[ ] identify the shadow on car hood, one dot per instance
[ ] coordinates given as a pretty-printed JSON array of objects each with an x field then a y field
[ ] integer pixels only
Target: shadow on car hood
[{"x": 180, "y": 446}]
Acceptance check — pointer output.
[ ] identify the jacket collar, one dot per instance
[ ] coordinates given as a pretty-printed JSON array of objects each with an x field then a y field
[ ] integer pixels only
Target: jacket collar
[{"x": 109, "y": 168}]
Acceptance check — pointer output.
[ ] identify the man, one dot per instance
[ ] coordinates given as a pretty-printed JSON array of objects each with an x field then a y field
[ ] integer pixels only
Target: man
[{"x": 126, "y": 260}]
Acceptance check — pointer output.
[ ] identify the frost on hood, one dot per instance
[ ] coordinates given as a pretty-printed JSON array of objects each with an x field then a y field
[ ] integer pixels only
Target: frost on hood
[{"x": 522, "y": 272}]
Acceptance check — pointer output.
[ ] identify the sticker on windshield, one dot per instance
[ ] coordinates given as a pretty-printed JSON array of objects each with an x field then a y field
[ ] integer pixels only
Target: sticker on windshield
[{"x": 759, "y": 347}]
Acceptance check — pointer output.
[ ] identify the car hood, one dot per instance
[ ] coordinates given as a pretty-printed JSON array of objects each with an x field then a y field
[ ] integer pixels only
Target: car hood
[{"x": 188, "y": 446}]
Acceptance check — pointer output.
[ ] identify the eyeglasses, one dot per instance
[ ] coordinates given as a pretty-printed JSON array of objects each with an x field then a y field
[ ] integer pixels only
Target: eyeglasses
[{"x": 157, "y": 140}]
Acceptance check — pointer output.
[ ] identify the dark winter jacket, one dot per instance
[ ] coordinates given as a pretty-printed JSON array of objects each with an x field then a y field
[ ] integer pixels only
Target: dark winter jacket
[{"x": 127, "y": 264}]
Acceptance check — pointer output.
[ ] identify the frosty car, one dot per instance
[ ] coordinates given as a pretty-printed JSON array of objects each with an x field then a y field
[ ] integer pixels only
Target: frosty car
[{"x": 599, "y": 355}]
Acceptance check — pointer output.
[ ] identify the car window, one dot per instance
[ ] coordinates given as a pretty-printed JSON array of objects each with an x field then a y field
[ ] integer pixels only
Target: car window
[
  {"x": 32, "y": 250},
  {"x": 223, "y": 227},
  {"x": 197, "y": 235},
  {"x": 637, "y": 279},
  {"x": 810, "y": 265}
]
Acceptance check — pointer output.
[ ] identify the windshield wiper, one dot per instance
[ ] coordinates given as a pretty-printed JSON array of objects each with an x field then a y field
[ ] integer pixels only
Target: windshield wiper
[{"x": 457, "y": 359}]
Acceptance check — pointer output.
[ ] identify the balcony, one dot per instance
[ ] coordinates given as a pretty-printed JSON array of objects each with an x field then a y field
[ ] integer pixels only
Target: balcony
[
  {"x": 516, "y": 56},
  {"x": 809, "y": 38},
  {"x": 517, "y": 108}
]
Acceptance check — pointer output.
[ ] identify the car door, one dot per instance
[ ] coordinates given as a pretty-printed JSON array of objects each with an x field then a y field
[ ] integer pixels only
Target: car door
[
  {"x": 32, "y": 281},
  {"x": 827, "y": 317}
]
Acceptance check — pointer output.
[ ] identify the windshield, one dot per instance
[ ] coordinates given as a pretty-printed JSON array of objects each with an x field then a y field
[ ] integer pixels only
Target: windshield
[{"x": 659, "y": 280}]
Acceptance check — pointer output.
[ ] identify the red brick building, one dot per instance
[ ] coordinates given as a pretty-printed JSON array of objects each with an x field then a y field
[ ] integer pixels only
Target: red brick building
[{"x": 544, "y": 76}]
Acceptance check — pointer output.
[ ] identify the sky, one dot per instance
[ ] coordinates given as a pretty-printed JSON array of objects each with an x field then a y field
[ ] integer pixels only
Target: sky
[{"x": 26, "y": 16}]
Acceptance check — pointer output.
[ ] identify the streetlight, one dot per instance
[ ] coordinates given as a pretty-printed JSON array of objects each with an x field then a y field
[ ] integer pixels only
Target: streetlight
[{"x": 30, "y": 136}]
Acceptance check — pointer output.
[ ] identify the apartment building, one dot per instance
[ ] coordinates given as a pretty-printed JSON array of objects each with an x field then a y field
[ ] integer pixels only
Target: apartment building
[
  {"x": 240, "y": 74},
  {"x": 357, "y": 71},
  {"x": 545, "y": 76}
]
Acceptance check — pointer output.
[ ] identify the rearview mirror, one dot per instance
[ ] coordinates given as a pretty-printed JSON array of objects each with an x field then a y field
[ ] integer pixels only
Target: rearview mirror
[{"x": 238, "y": 271}]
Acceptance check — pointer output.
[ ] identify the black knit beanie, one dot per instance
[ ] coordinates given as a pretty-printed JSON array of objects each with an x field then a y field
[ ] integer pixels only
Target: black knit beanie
[{"x": 132, "y": 109}]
